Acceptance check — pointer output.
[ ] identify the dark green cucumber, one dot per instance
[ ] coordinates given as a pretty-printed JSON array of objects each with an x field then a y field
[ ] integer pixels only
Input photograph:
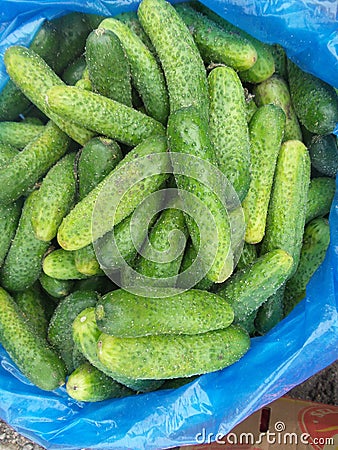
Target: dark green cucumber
[
  {"x": 55, "y": 198},
  {"x": 9, "y": 219},
  {"x": 217, "y": 45},
  {"x": 320, "y": 196},
  {"x": 89, "y": 384},
  {"x": 74, "y": 71},
  {"x": 324, "y": 154},
  {"x": 93, "y": 20},
  {"x": 189, "y": 257},
  {"x": 266, "y": 130},
  {"x": 250, "y": 287},
  {"x": 228, "y": 127},
  {"x": 271, "y": 312},
  {"x": 78, "y": 357},
  {"x": 108, "y": 66},
  {"x": 163, "y": 357},
  {"x": 86, "y": 261},
  {"x": 280, "y": 59},
  {"x": 60, "y": 333},
  {"x": 32, "y": 307},
  {"x": 123, "y": 314},
  {"x": 54, "y": 287},
  {"x": 182, "y": 64},
  {"x": 248, "y": 256},
  {"x": 60, "y": 264},
  {"x": 19, "y": 134},
  {"x": 175, "y": 383},
  {"x": 276, "y": 91},
  {"x": 130, "y": 19},
  {"x": 100, "y": 284},
  {"x": 315, "y": 102},
  {"x": 23, "y": 263},
  {"x": 29, "y": 351}
]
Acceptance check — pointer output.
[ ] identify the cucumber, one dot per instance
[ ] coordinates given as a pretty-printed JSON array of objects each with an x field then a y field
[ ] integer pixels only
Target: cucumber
[
  {"x": 108, "y": 66},
  {"x": 23, "y": 65},
  {"x": 324, "y": 154},
  {"x": 76, "y": 229},
  {"x": 84, "y": 82},
  {"x": 315, "y": 243},
  {"x": 9, "y": 219},
  {"x": 182, "y": 64},
  {"x": 248, "y": 323},
  {"x": 86, "y": 261},
  {"x": 175, "y": 383},
  {"x": 55, "y": 198},
  {"x": 97, "y": 158},
  {"x": 315, "y": 102},
  {"x": 248, "y": 256},
  {"x": 100, "y": 284},
  {"x": 23, "y": 263},
  {"x": 250, "y": 287},
  {"x": 19, "y": 134},
  {"x": 54, "y": 287},
  {"x": 86, "y": 335},
  {"x": 266, "y": 130},
  {"x": 276, "y": 91},
  {"x": 74, "y": 71},
  {"x": 60, "y": 264},
  {"x": 163, "y": 357},
  {"x": 88, "y": 384},
  {"x": 127, "y": 315},
  {"x": 93, "y": 20},
  {"x": 78, "y": 358},
  {"x": 280, "y": 59},
  {"x": 130, "y": 19},
  {"x": 250, "y": 106},
  {"x": 189, "y": 257},
  {"x": 216, "y": 45},
  {"x": 320, "y": 196},
  {"x": 271, "y": 312},
  {"x": 29, "y": 351},
  {"x": 32, "y": 307},
  {"x": 188, "y": 134},
  {"x": 7, "y": 153},
  {"x": 287, "y": 208},
  {"x": 28, "y": 166},
  {"x": 146, "y": 73},
  {"x": 228, "y": 127}
]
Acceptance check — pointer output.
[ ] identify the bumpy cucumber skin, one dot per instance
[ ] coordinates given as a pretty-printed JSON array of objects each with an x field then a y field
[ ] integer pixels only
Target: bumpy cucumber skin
[
  {"x": 130, "y": 18},
  {"x": 60, "y": 333},
  {"x": 248, "y": 256},
  {"x": 315, "y": 243},
  {"x": 108, "y": 66},
  {"x": 315, "y": 102},
  {"x": 29, "y": 165},
  {"x": 23, "y": 65},
  {"x": 228, "y": 127},
  {"x": 74, "y": 71},
  {"x": 9, "y": 219},
  {"x": 7, "y": 153},
  {"x": 86, "y": 261},
  {"x": 287, "y": 208},
  {"x": 280, "y": 59},
  {"x": 22, "y": 266},
  {"x": 320, "y": 196},
  {"x": 29, "y": 351},
  {"x": 250, "y": 107},
  {"x": 275, "y": 90},
  {"x": 182, "y": 64},
  {"x": 75, "y": 231},
  {"x": 97, "y": 158},
  {"x": 55, "y": 198},
  {"x": 189, "y": 257},
  {"x": 187, "y": 133},
  {"x": 32, "y": 307},
  {"x": 19, "y": 134},
  {"x": 88, "y": 384},
  {"x": 60, "y": 264},
  {"x": 123, "y": 314},
  {"x": 266, "y": 130},
  {"x": 217, "y": 45},
  {"x": 147, "y": 76},
  {"x": 54, "y": 287},
  {"x": 86, "y": 335},
  {"x": 271, "y": 312},
  {"x": 164, "y": 357},
  {"x": 324, "y": 154},
  {"x": 250, "y": 287}
]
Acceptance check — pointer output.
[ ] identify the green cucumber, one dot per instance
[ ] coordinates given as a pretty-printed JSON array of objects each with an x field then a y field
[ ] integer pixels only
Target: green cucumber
[
  {"x": 7, "y": 153},
  {"x": 93, "y": 20},
  {"x": 280, "y": 59},
  {"x": 100, "y": 284},
  {"x": 55, "y": 198},
  {"x": 60, "y": 264},
  {"x": 86, "y": 261},
  {"x": 163, "y": 357},
  {"x": 32, "y": 307},
  {"x": 320, "y": 196},
  {"x": 78, "y": 357},
  {"x": 287, "y": 208},
  {"x": 28, "y": 166},
  {"x": 217, "y": 45},
  {"x": 108, "y": 66},
  {"x": 89, "y": 384},
  {"x": 324, "y": 154},
  {"x": 228, "y": 127},
  {"x": 250, "y": 287},
  {"x": 266, "y": 130},
  {"x": 175, "y": 383},
  {"x": 29, "y": 351},
  {"x": 19, "y": 134},
  {"x": 189, "y": 257},
  {"x": 248, "y": 256},
  {"x": 74, "y": 71},
  {"x": 271, "y": 312},
  {"x": 54, "y": 287},
  {"x": 60, "y": 333},
  {"x": 315, "y": 102},
  {"x": 250, "y": 106},
  {"x": 182, "y": 64},
  {"x": 130, "y": 18},
  {"x": 276, "y": 91},
  {"x": 9, "y": 219},
  {"x": 23, "y": 263}
]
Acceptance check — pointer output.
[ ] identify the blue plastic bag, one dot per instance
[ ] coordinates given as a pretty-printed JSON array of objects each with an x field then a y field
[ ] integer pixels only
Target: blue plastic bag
[{"x": 301, "y": 345}]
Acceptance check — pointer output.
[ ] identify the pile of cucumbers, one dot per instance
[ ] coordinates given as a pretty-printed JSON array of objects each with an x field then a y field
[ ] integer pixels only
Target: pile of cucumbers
[{"x": 87, "y": 102}]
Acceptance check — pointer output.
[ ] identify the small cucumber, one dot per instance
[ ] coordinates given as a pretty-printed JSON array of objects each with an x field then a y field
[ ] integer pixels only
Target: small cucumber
[
  {"x": 9, "y": 219},
  {"x": 189, "y": 257},
  {"x": 28, "y": 166},
  {"x": 182, "y": 63},
  {"x": 19, "y": 134},
  {"x": 86, "y": 261},
  {"x": 287, "y": 208},
  {"x": 324, "y": 154},
  {"x": 276, "y": 91},
  {"x": 74, "y": 71},
  {"x": 248, "y": 256},
  {"x": 32, "y": 307},
  {"x": 23, "y": 263},
  {"x": 250, "y": 287},
  {"x": 320, "y": 196},
  {"x": 54, "y": 287},
  {"x": 130, "y": 18},
  {"x": 271, "y": 312},
  {"x": 163, "y": 357},
  {"x": 280, "y": 59},
  {"x": 315, "y": 102},
  {"x": 29, "y": 351},
  {"x": 55, "y": 198},
  {"x": 266, "y": 130},
  {"x": 60, "y": 264},
  {"x": 88, "y": 384},
  {"x": 228, "y": 127}
]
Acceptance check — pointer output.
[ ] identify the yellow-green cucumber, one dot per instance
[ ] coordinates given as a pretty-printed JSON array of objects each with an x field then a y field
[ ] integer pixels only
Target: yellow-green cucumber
[
  {"x": 86, "y": 261},
  {"x": 320, "y": 196},
  {"x": 19, "y": 134},
  {"x": 60, "y": 264}
]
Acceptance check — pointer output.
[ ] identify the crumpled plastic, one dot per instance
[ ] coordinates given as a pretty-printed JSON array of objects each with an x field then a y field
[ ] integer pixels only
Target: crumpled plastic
[{"x": 302, "y": 344}]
